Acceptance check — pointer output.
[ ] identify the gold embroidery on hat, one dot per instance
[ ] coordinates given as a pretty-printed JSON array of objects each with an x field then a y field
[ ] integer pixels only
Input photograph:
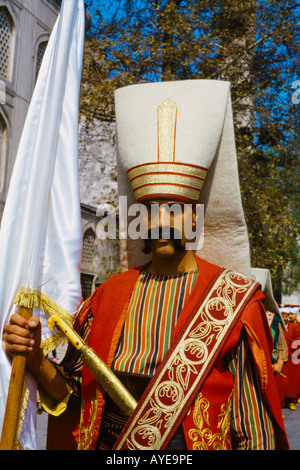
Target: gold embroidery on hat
[
  {"x": 166, "y": 121},
  {"x": 175, "y": 167}
]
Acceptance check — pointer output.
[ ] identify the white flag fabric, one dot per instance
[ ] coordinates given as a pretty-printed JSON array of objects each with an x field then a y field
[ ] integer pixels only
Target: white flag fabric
[{"x": 40, "y": 235}]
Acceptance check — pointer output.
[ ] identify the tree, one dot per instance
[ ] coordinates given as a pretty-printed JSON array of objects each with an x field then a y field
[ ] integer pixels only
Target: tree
[{"x": 254, "y": 44}]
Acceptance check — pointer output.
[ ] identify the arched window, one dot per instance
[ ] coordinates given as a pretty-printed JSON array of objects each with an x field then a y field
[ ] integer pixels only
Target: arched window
[
  {"x": 6, "y": 41},
  {"x": 39, "y": 57},
  {"x": 89, "y": 246}
]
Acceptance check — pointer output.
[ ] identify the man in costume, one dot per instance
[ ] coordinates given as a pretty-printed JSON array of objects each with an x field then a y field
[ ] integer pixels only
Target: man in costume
[
  {"x": 288, "y": 384},
  {"x": 190, "y": 339},
  {"x": 276, "y": 322},
  {"x": 294, "y": 314}
]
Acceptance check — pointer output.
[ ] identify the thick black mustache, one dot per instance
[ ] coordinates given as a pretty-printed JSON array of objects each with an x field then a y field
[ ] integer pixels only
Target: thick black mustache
[{"x": 169, "y": 233}]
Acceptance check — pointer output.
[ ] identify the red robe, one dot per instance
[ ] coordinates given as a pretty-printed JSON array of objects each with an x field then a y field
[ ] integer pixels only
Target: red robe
[
  {"x": 109, "y": 306},
  {"x": 289, "y": 386}
]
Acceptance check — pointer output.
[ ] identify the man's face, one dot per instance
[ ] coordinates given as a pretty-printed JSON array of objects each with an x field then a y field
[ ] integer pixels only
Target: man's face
[
  {"x": 285, "y": 316},
  {"x": 292, "y": 317},
  {"x": 167, "y": 222}
]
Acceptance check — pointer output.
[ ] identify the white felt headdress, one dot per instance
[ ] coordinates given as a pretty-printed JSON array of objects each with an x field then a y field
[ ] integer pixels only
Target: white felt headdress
[
  {"x": 263, "y": 276},
  {"x": 285, "y": 309},
  {"x": 175, "y": 140}
]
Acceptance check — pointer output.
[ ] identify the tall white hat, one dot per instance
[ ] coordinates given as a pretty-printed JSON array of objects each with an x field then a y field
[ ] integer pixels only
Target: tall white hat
[
  {"x": 285, "y": 309},
  {"x": 263, "y": 276},
  {"x": 175, "y": 140}
]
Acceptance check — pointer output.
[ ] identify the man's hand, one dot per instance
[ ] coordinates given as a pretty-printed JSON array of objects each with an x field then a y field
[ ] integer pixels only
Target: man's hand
[
  {"x": 277, "y": 368},
  {"x": 23, "y": 336}
]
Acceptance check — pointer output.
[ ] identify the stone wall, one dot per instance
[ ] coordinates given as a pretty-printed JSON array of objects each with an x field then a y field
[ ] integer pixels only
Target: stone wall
[{"x": 97, "y": 163}]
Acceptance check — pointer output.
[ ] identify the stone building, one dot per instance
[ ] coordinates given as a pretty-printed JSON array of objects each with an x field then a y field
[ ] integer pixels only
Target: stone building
[
  {"x": 98, "y": 195},
  {"x": 25, "y": 28}
]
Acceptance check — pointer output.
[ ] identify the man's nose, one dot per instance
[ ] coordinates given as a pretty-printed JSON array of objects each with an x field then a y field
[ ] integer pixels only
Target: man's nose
[{"x": 163, "y": 217}]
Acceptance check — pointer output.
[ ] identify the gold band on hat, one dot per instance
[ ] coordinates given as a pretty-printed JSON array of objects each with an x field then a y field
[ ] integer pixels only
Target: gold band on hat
[
  {"x": 177, "y": 183},
  {"x": 163, "y": 178},
  {"x": 166, "y": 177},
  {"x": 163, "y": 167},
  {"x": 167, "y": 191}
]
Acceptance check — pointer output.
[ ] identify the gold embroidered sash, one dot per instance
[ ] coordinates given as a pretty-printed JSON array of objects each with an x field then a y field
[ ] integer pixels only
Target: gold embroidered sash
[{"x": 188, "y": 362}]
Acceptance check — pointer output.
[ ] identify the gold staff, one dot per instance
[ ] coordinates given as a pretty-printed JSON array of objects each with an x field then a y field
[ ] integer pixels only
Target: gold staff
[{"x": 107, "y": 379}]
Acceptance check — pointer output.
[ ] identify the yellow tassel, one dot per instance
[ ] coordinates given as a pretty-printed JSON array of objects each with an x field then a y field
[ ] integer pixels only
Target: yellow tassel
[{"x": 30, "y": 298}]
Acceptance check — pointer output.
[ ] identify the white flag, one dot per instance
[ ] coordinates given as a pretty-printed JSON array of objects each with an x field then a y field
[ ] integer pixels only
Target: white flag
[{"x": 40, "y": 236}]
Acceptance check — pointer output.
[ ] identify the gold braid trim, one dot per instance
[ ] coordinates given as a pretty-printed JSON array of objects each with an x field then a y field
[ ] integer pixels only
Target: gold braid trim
[
  {"x": 52, "y": 342},
  {"x": 30, "y": 298},
  {"x": 23, "y": 407},
  {"x": 18, "y": 445}
]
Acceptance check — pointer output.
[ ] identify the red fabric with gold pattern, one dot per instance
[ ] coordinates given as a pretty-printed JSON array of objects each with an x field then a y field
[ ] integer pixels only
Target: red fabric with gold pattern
[
  {"x": 213, "y": 404},
  {"x": 109, "y": 305},
  {"x": 187, "y": 363},
  {"x": 207, "y": 424}
]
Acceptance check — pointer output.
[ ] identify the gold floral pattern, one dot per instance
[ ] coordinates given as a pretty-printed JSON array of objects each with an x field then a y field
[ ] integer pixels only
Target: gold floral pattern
[
  {"x": 86, "y": 432},
  {"x": 202, "y": 436}
]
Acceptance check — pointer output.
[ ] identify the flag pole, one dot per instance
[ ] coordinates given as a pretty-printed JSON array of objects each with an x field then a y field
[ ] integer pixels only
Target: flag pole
[
  {"x": 14, "y": 397},
  {"x": 38, "y": 203}
]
